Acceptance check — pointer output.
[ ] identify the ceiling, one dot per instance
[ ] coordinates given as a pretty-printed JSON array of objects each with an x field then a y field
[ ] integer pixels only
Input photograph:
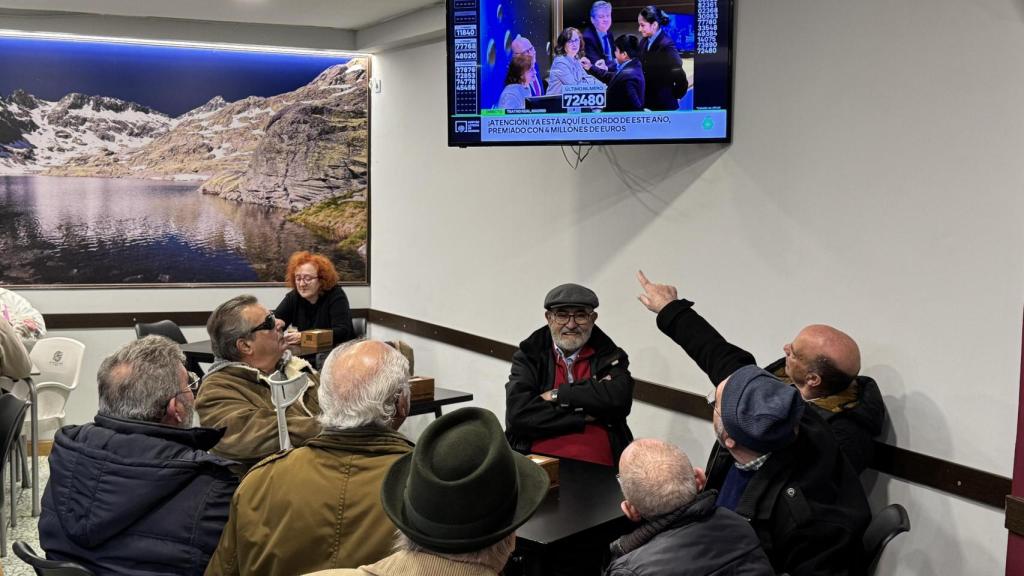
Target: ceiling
[{"x": 345, "y": 14}]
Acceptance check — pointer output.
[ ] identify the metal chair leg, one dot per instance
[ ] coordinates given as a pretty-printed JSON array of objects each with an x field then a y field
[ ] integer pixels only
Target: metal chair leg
[{"x": 14, "y": 496}]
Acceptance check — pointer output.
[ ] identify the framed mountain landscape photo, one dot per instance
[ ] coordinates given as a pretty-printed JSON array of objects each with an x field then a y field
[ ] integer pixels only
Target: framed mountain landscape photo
[{"x": 128, "y": 164}]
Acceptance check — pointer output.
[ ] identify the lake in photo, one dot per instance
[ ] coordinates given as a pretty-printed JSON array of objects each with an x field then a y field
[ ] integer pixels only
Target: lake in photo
[{"x": 66, "y": 230}]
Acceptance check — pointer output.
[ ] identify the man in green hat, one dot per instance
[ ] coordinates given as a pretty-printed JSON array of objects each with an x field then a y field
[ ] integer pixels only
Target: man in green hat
[{"x": 457, "y": 500}]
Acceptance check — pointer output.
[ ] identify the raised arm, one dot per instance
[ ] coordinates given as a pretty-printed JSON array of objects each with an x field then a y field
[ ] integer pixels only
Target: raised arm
[{"x": 677, "y": 319}]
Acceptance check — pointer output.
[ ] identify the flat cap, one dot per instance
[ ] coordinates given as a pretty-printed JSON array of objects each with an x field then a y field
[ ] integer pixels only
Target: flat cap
[
  {"x": 759, "y": 411},
  {"x": 570, "y": 295}
]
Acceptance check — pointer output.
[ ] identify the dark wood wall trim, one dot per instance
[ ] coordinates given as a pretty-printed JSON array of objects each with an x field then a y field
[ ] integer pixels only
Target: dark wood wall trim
[
  {"x": 1015, "y": 514},
  {"x": 972, "y": 484},
  {"x": 949, "y": 477},
  {"x": 128, "y": 319}
]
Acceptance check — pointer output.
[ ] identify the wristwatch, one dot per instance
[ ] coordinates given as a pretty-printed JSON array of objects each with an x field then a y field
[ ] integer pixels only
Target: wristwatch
[{"x": 554, "y": 394}]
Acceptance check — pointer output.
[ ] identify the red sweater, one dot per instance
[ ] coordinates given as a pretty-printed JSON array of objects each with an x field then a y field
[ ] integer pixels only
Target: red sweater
[{"x": 590, "y": 445}]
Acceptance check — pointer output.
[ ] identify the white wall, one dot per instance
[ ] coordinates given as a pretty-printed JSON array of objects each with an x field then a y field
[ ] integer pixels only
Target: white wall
[{"x": 873, "y": 184}]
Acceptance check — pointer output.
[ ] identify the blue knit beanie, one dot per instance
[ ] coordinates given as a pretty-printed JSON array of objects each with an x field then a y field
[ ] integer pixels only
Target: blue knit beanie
[{"x": 759, "y": 411}]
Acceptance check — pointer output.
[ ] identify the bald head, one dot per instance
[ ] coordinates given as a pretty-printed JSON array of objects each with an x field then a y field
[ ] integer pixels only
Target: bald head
[
  {"x": 656, "y": 477},
  {"x": 364, "y": 383},
  {"x": 822, "y": 360}
]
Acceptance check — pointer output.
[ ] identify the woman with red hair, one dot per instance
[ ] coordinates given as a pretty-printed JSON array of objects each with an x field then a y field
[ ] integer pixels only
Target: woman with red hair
[{"x": 316, "y": 300}]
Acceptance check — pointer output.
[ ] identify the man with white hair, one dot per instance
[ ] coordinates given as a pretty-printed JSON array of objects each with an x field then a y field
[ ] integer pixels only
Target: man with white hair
[
  {"x": 318, "y": 506},
  {"x": 681, "y": 532},
  {"x": 135, "y": 491}
]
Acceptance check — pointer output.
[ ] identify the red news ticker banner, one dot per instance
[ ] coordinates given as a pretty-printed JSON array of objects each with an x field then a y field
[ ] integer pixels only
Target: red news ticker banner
[{"x": 1015, "y": 545}]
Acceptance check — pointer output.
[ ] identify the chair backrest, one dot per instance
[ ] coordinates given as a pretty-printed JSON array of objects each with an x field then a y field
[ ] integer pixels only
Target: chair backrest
[
  {"x": 359, "y": 327},
  {"x": 162, "y": 328},
  {"x": 44, "y": 567},
  {"x": 58, "y": 360},
  {"x": 886, "y": 524},
  {"x": 12, "y": 417},
  {"x": 170, "y": 330}
]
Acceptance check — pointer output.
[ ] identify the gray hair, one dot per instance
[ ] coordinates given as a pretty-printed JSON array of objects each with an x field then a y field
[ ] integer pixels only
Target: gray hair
[
  {"x": 227, "y": 324},
  {"x": 656, "y": 477},
  {"x": 496, "y": 555},
  {"x": 599, "y": 5},
  {"x": 137, "y": 381},
  {"x": 357, "y": 398}
]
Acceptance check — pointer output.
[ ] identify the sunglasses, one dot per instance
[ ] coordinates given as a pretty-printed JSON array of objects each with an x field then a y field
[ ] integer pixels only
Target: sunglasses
[{"x": 269, "y": 323}]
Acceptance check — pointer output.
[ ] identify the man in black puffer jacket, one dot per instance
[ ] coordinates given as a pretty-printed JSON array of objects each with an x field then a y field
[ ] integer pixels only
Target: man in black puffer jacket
[{"x": 136, "y": 492}]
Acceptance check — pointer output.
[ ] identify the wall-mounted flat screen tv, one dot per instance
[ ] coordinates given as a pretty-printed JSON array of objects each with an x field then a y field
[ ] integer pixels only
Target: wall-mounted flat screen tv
[{"x": 584, "y": 72}]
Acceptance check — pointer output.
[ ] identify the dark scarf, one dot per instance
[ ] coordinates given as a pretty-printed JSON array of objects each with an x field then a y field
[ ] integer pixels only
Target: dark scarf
[{"x": 702, "y": 506}]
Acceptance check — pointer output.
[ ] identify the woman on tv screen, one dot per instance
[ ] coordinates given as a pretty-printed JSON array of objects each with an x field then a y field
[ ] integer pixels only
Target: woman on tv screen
[
  {"x": 665, "y": 79},
  {"x": 517, "y": 83},
  {"x": 566, "y": 69}
]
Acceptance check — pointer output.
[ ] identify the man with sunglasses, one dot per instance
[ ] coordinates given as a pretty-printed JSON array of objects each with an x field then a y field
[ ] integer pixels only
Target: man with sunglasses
[
  {"x": 136, "y": 491},
  {"x": 249, "y": 346},
  {"x": 570, "y": 389}
]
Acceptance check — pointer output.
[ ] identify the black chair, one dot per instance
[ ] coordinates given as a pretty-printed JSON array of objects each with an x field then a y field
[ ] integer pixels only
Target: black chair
[
  {"x": 12, "y": 418},
  {"x": 44, "y": 567},
  {"x": 170, "y": 330},
  {"x": 886, "y": 524},
  {"x": 359, "y": 327}
]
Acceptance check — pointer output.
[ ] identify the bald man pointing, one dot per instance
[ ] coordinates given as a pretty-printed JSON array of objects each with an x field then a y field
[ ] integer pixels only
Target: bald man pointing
[{"x": 822, "y": 362}]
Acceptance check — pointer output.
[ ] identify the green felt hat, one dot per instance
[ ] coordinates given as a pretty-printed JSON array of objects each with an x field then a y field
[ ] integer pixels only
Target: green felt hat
[{"x": 462, "y": 488}]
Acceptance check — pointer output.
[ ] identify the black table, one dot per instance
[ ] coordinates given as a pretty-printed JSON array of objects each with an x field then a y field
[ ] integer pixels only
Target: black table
[
  {"x": 442, "y": 397},
  {"x": 202, "y": 352},
  {"x": 581, "y": 515}
]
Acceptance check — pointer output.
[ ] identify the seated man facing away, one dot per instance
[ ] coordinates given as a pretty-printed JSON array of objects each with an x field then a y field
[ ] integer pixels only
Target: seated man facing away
[
  {"x": 15, "y": 363},
  {"x": 457, "y": 500},
  {"x": 821, "y": 362},
  {"x": 776, "y": 464},
  {"x": 682, "y": 532},
  {"x": 249, "y": 346},
  {"x": 318, "y": 506},
  {"x": 570, "y": 389},
  {"x": 136, "y": 492}
]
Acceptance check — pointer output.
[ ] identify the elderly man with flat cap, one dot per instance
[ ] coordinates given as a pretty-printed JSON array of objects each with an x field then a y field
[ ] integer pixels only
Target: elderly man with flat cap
[
  {"x": 570, "y": 389},
  {"x": 457, "y": 500},
  {"x": 776, "y": 463}
]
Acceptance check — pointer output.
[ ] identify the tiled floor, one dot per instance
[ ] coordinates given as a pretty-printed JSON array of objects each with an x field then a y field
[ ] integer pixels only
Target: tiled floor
[{"x": 26, "y": 529}]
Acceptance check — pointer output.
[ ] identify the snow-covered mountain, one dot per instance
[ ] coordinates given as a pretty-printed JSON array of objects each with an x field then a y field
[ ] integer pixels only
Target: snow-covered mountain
[
  {"x": 36, "y": 135},
  {"x": 292, "y": 150}
]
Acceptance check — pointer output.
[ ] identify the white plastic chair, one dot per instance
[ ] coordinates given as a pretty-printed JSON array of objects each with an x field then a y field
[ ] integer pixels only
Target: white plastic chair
[{"x": 59, "y": 361}]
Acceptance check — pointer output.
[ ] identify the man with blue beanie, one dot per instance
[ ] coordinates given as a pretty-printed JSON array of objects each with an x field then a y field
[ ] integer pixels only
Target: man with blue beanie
[{"x": 776, "y": 463}]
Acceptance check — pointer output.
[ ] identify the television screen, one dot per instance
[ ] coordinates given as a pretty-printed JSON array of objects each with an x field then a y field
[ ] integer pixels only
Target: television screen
[{"x": 583, "y": 72}]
